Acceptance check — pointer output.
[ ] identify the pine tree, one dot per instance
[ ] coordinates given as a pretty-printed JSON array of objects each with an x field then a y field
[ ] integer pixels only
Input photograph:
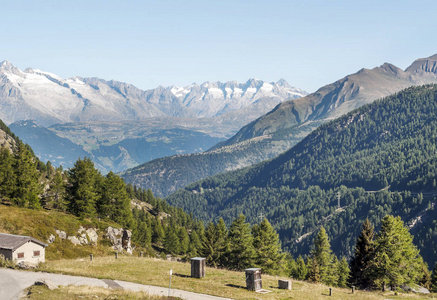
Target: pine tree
[
  {"x": 56, "y": 193},
  {"x": 313, "y": 270},
  {"x": 343, "y": 273},
  {"x": 434, "y": 279},
  {"x": 7, "y": 175},
  {"x": 82, "y": 192},
  {"x": 195, "y": 247},
  {"x": 114, "y": 202},
  {"x": 322, "y": 253},
  {"x": 27, "y": 187},
  {"x": 359, "y": 264},
  {"x": 396, "y": 260},
  {"x": 241, "y": 253},
  {"x": 301, "y": 269},
  {"x": 184, "y": 240},
  {"x": 267, "y": 247},
  {"x": 158, "y": 232},
  {"x": 171, "y": 240},
  {"x": 214, "y": 243}
]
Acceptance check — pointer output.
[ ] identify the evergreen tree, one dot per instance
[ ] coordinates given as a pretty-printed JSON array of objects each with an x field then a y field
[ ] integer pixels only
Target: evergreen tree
[
  {"x": 195, "y": 246},
  {"x": 267, "y": 247},
  {"x": 343, "y": 273},
  {"x": 27, "y": 187},
  {"x": 114, "y": 202},
  {"x": 359, "y": 264},
  {"x": 434, "y": 279},
  {"x": 301, "y": 272},
  {"x": 241, "y": 253},
  {"x": 214, "y": 243},
  {"x": 171, "y": 240},
  {"x": 184, "y": 240},
  {"x": 314, "y": 270},
  {"x": 158, "y": 232},
  {"x": 322, "y": 253},
  {"x": 7, "y": 175},
  {"x": 396, "y": 260},
  {"x": 56, "y": 193},
  {"x": 82, "y": 191},
  {"x": 425, "y": 281}
]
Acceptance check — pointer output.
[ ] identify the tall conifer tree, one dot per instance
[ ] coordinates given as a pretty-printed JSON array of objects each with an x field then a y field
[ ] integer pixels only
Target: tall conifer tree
[
  {"x": 322, "y": 253},
  {"x": 359, "y": 264},
  {"x": 82, "y": 192},
  {"x": 241, "y": 252},
  {"x": 267, "y": 247},
  {"x": 396, "y": 259}
]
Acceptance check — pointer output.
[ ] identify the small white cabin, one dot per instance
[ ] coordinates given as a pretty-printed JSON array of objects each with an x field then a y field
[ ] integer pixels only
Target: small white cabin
[{"x": 22, "y": 248}]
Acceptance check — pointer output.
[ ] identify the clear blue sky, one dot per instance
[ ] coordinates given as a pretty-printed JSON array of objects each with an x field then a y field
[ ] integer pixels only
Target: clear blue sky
[{"x": 150, "y": 43}]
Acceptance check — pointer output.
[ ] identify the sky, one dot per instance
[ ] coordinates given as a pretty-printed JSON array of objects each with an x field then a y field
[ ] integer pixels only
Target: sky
[{"x": 150, "y": 43}]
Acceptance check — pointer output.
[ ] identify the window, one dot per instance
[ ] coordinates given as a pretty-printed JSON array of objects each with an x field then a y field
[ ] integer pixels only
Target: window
[
  {"x": 36, "y": 253},
  {"x": 20, "y": 255}
]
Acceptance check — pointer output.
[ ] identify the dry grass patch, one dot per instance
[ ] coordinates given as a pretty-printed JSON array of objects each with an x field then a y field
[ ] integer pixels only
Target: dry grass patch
[
  {"x": 85, "y": 293},
  {"x": 217, "y": 282}
]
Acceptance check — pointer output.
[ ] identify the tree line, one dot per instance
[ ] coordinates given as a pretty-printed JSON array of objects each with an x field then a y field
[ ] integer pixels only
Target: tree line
[{"x": 387, "y": 259}]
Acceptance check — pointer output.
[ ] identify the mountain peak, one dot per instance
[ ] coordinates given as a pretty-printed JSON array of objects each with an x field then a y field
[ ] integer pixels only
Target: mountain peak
[
  {"x": 424, "y": 65},
  {"x": 282, "y": 82},
  {"x": 6, "y": 65}
]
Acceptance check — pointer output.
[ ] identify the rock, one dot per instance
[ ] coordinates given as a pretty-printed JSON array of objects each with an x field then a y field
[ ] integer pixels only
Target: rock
[
  {"x": 25, "y": 266},
  {"x": 51, "y": 239},
  {"x": 74, "y": 240},
  {"x": 92, "y": 235},
  {"x": 120, "y": 238},
  {"x": 80, "y": 230},
  {"x": 46, "y": 282},
  {"x": 61, "y": 234},
  {"x": 126, "y": 241},
  {"x": 83, "y": 239}
]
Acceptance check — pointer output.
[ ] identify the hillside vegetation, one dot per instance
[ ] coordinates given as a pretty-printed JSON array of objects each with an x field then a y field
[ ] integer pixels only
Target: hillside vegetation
[{"x": 381, "y": 158}]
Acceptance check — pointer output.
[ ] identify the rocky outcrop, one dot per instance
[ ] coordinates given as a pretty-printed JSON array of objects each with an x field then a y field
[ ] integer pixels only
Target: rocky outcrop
[{"x": 120, "y": 239}]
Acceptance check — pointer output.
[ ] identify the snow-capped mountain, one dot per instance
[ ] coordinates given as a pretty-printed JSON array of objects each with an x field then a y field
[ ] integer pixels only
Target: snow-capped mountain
[{"x": 49, "y": 99}]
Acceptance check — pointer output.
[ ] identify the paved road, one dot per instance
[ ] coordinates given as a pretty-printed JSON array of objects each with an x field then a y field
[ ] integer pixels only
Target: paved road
[{"x": 13, "y": 282}]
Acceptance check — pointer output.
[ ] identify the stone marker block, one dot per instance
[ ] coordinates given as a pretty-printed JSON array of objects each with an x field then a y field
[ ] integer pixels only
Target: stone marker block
[{"x": 284, "y": 284}]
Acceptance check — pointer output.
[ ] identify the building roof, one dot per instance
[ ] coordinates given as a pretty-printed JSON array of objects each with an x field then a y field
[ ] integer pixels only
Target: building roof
[{"x": 13, "y": 242}]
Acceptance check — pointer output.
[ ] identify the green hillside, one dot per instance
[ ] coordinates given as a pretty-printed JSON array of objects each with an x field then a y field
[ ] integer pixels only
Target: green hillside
[{"x": 382, "y": 158}]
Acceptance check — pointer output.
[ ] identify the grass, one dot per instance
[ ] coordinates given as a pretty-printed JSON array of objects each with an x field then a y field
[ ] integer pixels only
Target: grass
[
  {"x": 217, "y": 282},
  {"x": 85, "y": 293},
  {"x": 40, "y": 224}
]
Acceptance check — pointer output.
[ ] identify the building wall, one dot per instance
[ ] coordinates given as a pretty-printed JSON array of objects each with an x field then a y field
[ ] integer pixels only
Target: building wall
[
  {"x": 28, "y": 250},
  {"x": 7, "y": 253}
]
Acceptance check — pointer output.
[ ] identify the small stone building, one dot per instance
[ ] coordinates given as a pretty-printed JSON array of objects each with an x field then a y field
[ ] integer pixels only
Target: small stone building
[{"x": 22, "y": 248}]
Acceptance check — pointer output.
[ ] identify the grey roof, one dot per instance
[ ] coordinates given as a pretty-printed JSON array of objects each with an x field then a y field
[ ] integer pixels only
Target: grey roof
[{"x": 12, "y": 242}]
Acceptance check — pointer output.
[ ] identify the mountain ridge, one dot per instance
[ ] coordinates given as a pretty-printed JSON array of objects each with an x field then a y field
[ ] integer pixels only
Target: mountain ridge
[{"x": 284, "y": 126}]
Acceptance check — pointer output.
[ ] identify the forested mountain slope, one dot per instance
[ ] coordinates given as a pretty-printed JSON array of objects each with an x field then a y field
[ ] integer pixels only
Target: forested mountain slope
[
  {"x": 382, "y": 158},
  {"x": 282, "y": 127}
]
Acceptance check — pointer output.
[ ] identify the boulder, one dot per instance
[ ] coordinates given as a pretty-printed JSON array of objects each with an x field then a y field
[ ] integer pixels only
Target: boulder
[
  {"x": 51, "y": 239},
  {"x": 46, "y": 282},
  {"x": 61, "y": 234},
  {"x": 92, "y": 235},
  {"x": 74, "y": 240},
  {"x": 25, "y": 265},
  {"x": 120, "y": 239}
]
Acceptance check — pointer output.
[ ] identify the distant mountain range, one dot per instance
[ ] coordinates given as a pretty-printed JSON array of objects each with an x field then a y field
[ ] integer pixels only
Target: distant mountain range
[
  {"x": 49, "y": 99},
  {"x": 284, "y": 126},
  {"x": 120, "y": 126}
]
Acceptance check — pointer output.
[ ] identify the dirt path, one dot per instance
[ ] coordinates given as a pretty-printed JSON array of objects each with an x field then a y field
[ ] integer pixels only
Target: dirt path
[{"x": 13, "y": 282}]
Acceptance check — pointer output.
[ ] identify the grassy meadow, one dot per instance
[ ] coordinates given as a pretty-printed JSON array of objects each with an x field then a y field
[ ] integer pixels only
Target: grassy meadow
[{"x": 217, "y": 282}]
